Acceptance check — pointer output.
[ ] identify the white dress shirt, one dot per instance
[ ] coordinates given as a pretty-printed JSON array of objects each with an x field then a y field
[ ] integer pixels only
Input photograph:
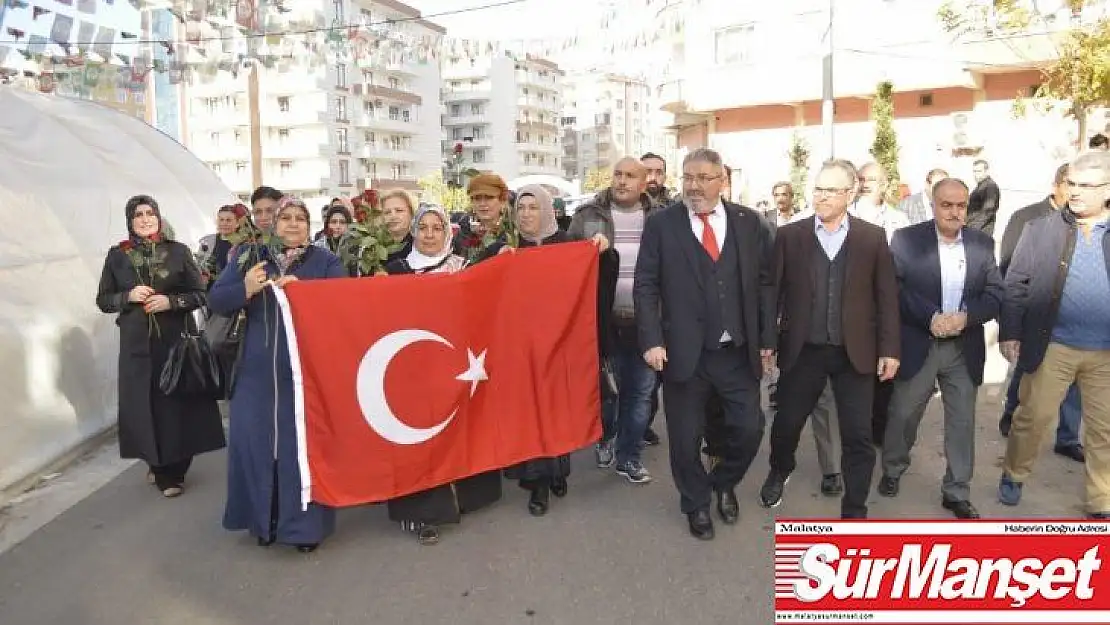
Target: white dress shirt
[
  {"x": 719, "y": 222},
  {"x": 953, "y": 272}
]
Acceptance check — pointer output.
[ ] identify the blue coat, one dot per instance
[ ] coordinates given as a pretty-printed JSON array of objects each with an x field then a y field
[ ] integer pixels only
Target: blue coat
[
  {"x": 262, "y": 441},
  {"x": 917, "y": 268}
]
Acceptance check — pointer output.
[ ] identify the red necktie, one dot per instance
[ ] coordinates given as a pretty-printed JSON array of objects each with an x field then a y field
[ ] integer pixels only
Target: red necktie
[{"x": 708, "y": 237}]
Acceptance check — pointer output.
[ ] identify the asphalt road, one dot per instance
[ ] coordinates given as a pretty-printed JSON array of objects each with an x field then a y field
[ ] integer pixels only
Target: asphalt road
[{"x": 610, "y": 552}]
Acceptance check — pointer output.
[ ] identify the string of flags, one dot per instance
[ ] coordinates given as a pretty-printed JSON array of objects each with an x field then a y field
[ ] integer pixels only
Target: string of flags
[{"x": 67, "y": 42}]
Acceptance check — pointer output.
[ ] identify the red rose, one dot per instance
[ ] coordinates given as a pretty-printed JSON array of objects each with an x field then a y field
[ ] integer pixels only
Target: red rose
[
  {"x": 361, "y": 216},
  {"x": 240, "y": 211},
  {"x": 458, "y": 148},
  {"x": 455, "y": 230},
  {"x": 156, "y": 237},
  {"x": 126, "y": 245}
]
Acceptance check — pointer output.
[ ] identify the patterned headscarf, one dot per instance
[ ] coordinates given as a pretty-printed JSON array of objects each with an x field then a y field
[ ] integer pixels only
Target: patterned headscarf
[
  {"x": 290, "y": 254},
  {"x": 418, "y": 260}
]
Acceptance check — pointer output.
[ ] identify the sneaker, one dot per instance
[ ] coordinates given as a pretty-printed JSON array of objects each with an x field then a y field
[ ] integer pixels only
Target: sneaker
[
  {"x": 1009, "y": 491},
  {"x": 603, "y": 451},
  {"x": 634, "y": 472}
]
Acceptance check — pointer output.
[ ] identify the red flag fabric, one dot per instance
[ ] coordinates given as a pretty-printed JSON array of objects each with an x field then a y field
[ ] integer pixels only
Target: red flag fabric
[{"x": 403, "y": 383}]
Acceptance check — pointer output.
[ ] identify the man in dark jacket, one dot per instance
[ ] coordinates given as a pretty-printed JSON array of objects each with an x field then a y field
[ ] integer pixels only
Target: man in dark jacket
[
  {"x": 982, "y": 208},
  {"x": 1067, "y": 432},
  {"x": 1055, "y": 325}
]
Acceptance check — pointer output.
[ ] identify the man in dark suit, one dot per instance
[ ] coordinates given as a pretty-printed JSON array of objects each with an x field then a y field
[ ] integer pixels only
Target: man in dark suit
[
  {"x": 704, "y": 302},
  {"x": 949, "y": 286},
  {"x": 982, "y": 208},
  {"x": 838, "y": 312}
]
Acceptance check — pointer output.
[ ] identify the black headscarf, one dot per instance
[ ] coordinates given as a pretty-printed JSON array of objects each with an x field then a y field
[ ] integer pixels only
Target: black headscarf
[
  {"x": 332, "y": 211},
  {"x": 133, "y": 205}
]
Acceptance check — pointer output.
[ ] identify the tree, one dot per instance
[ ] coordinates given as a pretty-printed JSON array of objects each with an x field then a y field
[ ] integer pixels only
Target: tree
[
  {"x": 885, "y": 146},
  {"x": 597, "y": 179},
  {"x": 799, "y": 168},
  {"x": 1078, "y": 80},
  {"x": 434, "y": 190}
]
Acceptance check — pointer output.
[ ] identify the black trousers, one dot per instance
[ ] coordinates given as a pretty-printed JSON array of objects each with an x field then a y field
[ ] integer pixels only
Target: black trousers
[
  {"x": 726, "y": 373},
  {"x": 170, "y": 475},
  {"x": 798, "y": 391},
  {"x": 879, "y": 409}
]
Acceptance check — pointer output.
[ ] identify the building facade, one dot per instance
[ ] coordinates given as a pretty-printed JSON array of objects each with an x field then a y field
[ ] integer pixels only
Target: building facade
[
  {"x": 505, "y": 114},
  {"x": 330, "y": 130},
  {"x": 607, "y": 117},
  {"x": 752, "y": 79}
]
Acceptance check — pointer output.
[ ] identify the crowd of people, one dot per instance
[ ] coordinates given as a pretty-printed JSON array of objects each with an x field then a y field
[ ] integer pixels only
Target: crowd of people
[{"x": 853, "y": 313}]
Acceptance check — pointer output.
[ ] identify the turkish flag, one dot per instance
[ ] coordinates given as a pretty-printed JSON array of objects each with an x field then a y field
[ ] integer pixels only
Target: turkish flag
[{"x": 403, "y": 383}]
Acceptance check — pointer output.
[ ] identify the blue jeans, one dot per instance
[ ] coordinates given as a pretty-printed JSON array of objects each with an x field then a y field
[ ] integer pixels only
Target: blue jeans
[
  {"x": 1071, "y": 411},
  {"x": 626, "y": 416}
]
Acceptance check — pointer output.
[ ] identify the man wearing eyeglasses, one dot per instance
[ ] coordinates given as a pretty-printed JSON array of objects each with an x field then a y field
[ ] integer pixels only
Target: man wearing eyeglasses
[
  {"x": 705, "y": 313},
  {"x": 838, "y": 321},
  {"x": 1055, "y": 325}
]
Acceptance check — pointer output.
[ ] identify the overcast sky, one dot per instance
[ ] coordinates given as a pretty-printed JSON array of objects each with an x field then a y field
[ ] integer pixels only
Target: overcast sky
[{"x": 522, "y": 20}]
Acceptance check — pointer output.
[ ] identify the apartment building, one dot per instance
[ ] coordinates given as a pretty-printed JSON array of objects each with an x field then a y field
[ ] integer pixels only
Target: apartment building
[
  {"x": 753, "y": 76},
  {"x": 609, "y": 116},
  {"x": 328, "y": 130},
  {"x": 505, "y": 113}
]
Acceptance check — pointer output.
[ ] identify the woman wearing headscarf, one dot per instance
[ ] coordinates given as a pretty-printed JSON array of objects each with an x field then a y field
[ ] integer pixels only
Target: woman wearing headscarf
[
  {"x": 432, "y": 251},
  {"x": 263, "y": 480},
  {"x": 424, "y": 512},
  {"x": 153, "y": 284},
  {"x": 337, "y": 219},
  {"x": 535, "y": 220}
]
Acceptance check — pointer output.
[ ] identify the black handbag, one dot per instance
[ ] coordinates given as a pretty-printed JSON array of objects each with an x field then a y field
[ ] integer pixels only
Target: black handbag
[
  {"x": 225, "y": 336},
  {"x": 191, "y": 368}
]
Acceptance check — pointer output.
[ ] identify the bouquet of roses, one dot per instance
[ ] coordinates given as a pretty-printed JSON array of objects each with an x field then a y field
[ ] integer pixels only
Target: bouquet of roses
[
  {"x": 250, "y": 244},
  {"x": 147, "y": 258},
  {"x": 368, "y": 244},
  {"x": 478, "y": 239}
]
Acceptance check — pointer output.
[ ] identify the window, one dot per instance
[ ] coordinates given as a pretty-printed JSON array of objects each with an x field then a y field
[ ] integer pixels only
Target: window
[
  {"x": 479, "y": 156},
  {"x": 238, "y": 137},
  {"x": 475, "y": 109},
  {"x": 405, "y": 115},
  {"x": 455, "y": 110},
  {"x": 635, "y": 107},
  {"x": 456, "y": 133},
  {"x": 371, "y": 140},
  {"x": 240, "y": 167},
  {"x": 395, "y": 142},
  {"x": 394, "y": 113},
  {"x": 337, "y": 10},
  {"x": 343, "y": 147},
  {"x": 214, "y": 138},
  {"x": 620, "y": 104},
  {"x": 344, "y": 172},
  {"x": 367, "y": 76},
  {"x": 395, "y": 170},
  {"x": 341, "y": 75},
  {"x": 476, "y": 132},
  {"x": 283, "y": 104},
  {"x": 283, "y": 134},
  {"x": 733, "y": 44},
  {"x": 216, "y": 168},
  {"x": 340, "y": 109},
  {"x": 285, "y": 166},
  {"x": 394, "y": 83}
]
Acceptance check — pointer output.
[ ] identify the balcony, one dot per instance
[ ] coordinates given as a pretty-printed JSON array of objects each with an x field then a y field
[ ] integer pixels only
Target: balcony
[
  {"x": 292, "y": 149},
  {"x": 213, "y": 153},
  {"x": 391, "y": 181},
  {"x": 541, "y": 148},
  {"x": 542, "y": 170},
  {"x": 295, "y": 179},
  {"x": 467, "y": 95},
  {"x": 385, "y": 123},
  {"x": 525, "y": 125},
  {"x": 220, "y": 119},
  {"x": 274, "y": 83},
  {"x": 273, "y": 116},
  {"x": 533, "y": 79},
  {"x": 382, "y": 152},
  {"x": 546, "y": 104},
  {"x": 469, "y": 119},
  {"x": 480, "y": 142},
  {"x": 370, "y": 91},
  {"x": 990, "y": 45}
]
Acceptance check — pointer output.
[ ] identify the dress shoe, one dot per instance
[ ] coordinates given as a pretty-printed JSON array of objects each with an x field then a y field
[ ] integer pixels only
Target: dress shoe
[
  {"x": 265, "y": 542},
  {"x": 539, "y": 501},
  {"x": 1071, "y": 452},
  {"x": 888, "y": 486},
  {"x": 770, "y": 494},
  {"x": 961, "y": 509},
  {"x": 559, "y": 487},
  {"x": 308, "y": 548},
  {"x": 832, "y": 485},
  {"x": 728, "y": 506},
  {"x": 701, "y": 525}
]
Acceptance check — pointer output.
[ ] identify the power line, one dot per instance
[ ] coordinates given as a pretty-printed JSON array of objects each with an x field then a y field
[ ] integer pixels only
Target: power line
[{"x": 308, "y": 31}]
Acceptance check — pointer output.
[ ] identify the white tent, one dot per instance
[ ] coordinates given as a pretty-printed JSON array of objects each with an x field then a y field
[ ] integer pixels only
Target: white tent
[{"x": 67, "y": 169}]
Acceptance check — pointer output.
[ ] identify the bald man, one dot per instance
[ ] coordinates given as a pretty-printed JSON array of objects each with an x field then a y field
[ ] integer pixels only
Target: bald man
[{"x": 615, "y": 218}]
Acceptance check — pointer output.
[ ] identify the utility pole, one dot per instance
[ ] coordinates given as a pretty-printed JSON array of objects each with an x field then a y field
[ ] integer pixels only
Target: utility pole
[
  {"x": 255, "y": 115},
  {"x": 828, "y": 96}
]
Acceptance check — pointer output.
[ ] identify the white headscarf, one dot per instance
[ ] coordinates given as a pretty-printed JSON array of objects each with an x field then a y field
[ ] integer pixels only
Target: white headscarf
[
  {"x": 417, "y": 260},
  {"x": 548, "y": 223}
]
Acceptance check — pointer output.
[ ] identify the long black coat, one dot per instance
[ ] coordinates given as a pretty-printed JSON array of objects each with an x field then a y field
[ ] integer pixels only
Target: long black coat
[{"x": 155, "y": 428}]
